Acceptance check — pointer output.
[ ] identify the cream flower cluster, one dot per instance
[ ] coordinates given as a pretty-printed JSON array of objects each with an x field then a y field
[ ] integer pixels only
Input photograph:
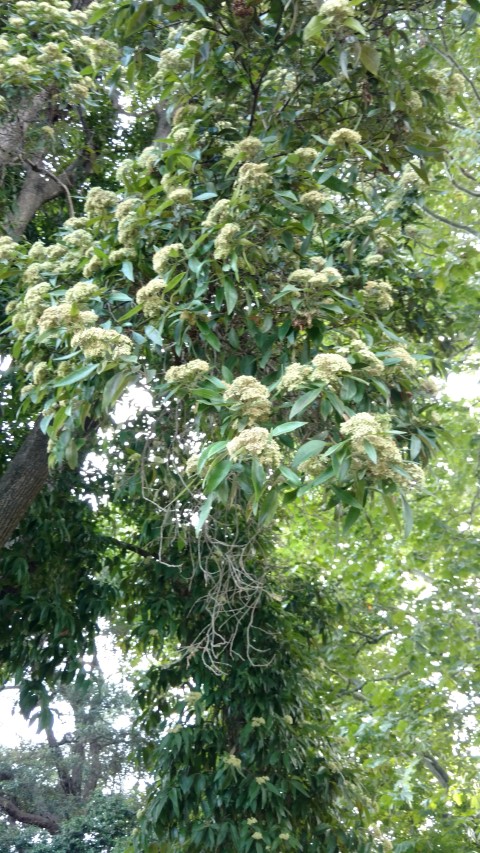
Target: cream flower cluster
[
  {"x": 306, "y": 156},
  {"x": 102, "y": 343},
  {"x": 247, "y": 148},
  {"x": 81, "y": 292},
  {"x": 100, "y": 202},
  {"x": 225, "y": 240},
  {"x": 126, "y": 215},
  {"x": 187, "y": 374},
  {"x": 218, "y": 213},
  {"x": 405, "y": 359},
  {"x": 295, "y": 377},
  {"x": 180, "y": 195},
  {"x": 165, "y": 255},
  {"x": 257, "y": 443},
  {"x": 373, "y": 260},
  {"x": 253, "y": 176},
  {"x": 327, "y": 367},
  {"x": 151, "y": 297},
  {"x": 312, "y": 280},
  {"x": 250, "y": 397},
  {"x": 148, "y": 158},
  {"x": 379, "y": 293},
  {"x": 374, "y": 429},
  {"x": 338, "y": 9},
  {"x": 313, "y": 199},
  {"x": 8, "y": 248},
  {"x": 360, "y": 351},
  {"x": 345, "y": 136},
  {"x": 233, "y": 761},
  {"x": 63, "y": 316}
]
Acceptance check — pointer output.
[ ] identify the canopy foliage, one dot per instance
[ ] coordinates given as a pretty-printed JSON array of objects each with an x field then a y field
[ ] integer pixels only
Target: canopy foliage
[{"x": 235, "y": 210}]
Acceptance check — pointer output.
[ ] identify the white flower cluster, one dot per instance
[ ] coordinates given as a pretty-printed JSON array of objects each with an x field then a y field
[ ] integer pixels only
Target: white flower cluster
[
  {"x": 374, "y": 429},
  {"x": 255, "y": 442},
  {"x": 180, "y": 195},
  {"x": 100, "y": 202},
  {"x": 8, "y": 248},
  {"x": 81, "y": 292},
  {"x": 373, "y": 260},
  {"x": 165, "y": 255},
  {"x": 187, "y": 374},
  {"x": 225, "y": 240},
  {"x": 253, "y": 176},
  {"x": 345, "y": 136},
  {"x": 338, "y": 9},
  {"x": 65, "y": 316},
  {"x": 218, "y": 213},
  {"x": 247, "y": 148},
  {"x": 368, "y": 360},
  {"x": 327, "y": 367},
  {"x": 306, "y": 156},
  {"x": 151, "y": 298},
  {"x": 102, "y": 343},
  {"x": 389, "y": 465},
  {"x": 250, "y": 397},
  {"x": 313, "y": 199},
  {"x": 295, "y": 377},
  {"x": 379, "y": 293},
  {"x": 405, "y": 359},
  {"x": 232, "y": 761}
]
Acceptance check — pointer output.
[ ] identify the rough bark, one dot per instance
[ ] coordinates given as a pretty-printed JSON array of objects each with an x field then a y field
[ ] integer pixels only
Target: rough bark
[
  {"x": 25, "y": 476},
  {"x": 12, "y": 134},
  {"x": 43, "y": 821},
  {"x": 40, "y": 186}
]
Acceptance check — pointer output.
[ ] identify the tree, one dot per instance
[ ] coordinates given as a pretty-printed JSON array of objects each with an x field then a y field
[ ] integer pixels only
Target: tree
[
  {"x": 68, "y": 793},
  {"x": 253, "y": 269}
]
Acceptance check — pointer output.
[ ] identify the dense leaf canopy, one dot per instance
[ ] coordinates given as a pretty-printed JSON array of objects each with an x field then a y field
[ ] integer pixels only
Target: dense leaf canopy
[{"x": 240, "y": 215}]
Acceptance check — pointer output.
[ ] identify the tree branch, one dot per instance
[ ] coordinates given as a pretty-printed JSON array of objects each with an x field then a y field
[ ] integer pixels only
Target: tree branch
[
  {"x": 43, "y": 821},
  {"x": 459, "y": 226},
  {"x": 25, "y": 476}
]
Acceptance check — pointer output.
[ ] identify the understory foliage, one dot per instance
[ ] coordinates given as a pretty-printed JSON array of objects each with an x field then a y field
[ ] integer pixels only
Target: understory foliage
[{"x": 253, "y": 273}]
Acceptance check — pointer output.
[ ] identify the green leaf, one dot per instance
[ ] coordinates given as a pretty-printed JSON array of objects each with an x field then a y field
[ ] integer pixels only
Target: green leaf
[
  {"x": 76, "y": 376},
  {"x": 370, "y": 58},
  {"x": 208, "y": 452},
  {"x": 127, "y": 269},
  {"x": 355, "y": 25},
  {"x": 199, "y": 8},
  {"x": 307, "y": 450},
  {"x": 217, "y": 475},
  {"x": 204, "y": 512},
  {"x": 231, "y": 295},
  {"x": 407, "y": 515},
  {"x": 290, "y": 476},
  {"x": 322, "y": 478},
  {"x": 304, "y": 401},
  {"x": 314, "y": 29},
  {"x": 153, "y": 335},
  {"x": 415, "y": 446},
  {"x": 351, "y": 517},
  {"x": 281, "y": 429},
  {"x": 114, "y": 388},
  {"x": 371, "y": 452}
]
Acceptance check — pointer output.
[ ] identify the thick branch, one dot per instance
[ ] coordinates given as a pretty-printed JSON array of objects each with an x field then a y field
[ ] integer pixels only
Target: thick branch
[
  {"x": 41, "y": 185},
  {"x": 12, "y": 134},
  {"x": 62, "y": 771},
  {"x": 25, "y": 476},
  {"x": 43, "y": 821},
  {"x": 459, "y": 226}
]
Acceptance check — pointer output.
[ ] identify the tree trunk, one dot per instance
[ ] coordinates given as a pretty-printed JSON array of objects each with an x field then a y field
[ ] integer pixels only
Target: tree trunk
[{"x": 25, "y": 476}]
